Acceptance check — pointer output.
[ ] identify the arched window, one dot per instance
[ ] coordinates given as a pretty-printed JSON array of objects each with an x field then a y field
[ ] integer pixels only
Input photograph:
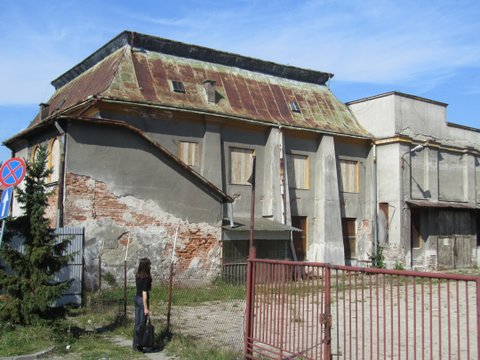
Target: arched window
[
  {"x": 34, "y": 153},
  {"x": 54, "y": 159}
]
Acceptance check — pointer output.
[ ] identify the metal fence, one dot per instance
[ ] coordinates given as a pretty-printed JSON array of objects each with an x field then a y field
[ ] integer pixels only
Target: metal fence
[
  {"x": 316, "y": 311},
  {"x": 212, "y": 314},
  {"x": 209, "y": 312},
  {"x": 74, "y": 269}
]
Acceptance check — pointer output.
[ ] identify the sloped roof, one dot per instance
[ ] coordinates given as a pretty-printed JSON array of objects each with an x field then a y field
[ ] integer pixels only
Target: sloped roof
[
  {"x": 259, "y": 224},
  {"x": 141, "y": 69}
]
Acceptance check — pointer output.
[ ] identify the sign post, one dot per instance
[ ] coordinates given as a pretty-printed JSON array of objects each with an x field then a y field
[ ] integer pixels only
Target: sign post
[
  {"x": 5, "y": 202},
  {"x": 12, "y": 173}
]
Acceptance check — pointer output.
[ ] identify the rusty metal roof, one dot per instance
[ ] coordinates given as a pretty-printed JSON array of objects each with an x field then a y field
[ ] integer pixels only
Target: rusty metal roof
[
  {"x": 441, "y": 204},
  {"x": 144, "y": 76}
]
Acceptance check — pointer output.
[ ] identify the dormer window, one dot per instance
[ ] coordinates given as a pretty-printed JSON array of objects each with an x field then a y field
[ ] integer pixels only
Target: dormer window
[
  {"x": 294, "y": 107},
  {"x": 209, "y": 86},
  {"x": 177, "y": 86}
]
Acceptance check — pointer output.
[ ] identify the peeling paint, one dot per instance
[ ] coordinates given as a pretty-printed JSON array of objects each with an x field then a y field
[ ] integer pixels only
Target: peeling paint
[{"x": 144, "y": 226}]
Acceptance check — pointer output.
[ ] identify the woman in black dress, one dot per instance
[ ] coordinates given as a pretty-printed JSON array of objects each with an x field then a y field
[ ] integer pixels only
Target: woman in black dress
[{"x": 143, "y": 281}]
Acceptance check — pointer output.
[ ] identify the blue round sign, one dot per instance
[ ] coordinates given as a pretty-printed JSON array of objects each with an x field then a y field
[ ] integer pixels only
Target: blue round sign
[{"x": 12, "y": 172}]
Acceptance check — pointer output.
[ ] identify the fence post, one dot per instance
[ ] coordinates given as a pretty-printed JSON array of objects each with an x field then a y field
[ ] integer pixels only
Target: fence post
[
  {"x": 100, "y": 272},
  {"x": 478, "y": 317},
  {"x": 125, "y": 289},
  {"x": 252, "y": 254},
  {"x": 327, "y": 315}
]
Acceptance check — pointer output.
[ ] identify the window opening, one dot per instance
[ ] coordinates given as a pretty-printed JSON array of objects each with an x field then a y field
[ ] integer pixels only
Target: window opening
[
  {"x": 189, "y": 153},
  {"x": 300, "y": 240},
  {"x": 298, "y": 170},
  {"x": 349, "y": 238},
  {"x": 178, "y": 86},
  {"x": 349, "y": 171},
  {"x": 240, "y": 165},
  {"x": 54, "y": 159},
  {"x": 294, "y": 107}
]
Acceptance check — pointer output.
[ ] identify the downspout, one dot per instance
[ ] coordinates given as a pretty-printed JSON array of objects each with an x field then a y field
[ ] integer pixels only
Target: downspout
[
  {"x": 61, "y": 175},
  {"x": 286, "y": 197},
  {"x": 375, "y": 206}
]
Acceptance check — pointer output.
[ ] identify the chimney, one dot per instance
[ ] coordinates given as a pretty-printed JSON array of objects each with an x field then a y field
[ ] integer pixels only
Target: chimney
[
  {"x": 210, "y": 90},
  {"x": 43, "y": 111}
]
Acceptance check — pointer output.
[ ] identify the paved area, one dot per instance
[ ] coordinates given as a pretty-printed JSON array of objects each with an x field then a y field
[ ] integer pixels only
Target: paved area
[{"x": 153, "y": 355}]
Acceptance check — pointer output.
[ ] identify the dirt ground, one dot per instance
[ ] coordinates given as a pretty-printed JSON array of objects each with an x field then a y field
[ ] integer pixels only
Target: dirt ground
[
  {"x": 436, "y": 320},
  {"x": 219, "y": 323}
]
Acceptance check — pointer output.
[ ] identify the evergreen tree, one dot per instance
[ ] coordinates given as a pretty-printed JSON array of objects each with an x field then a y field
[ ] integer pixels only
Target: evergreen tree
[{"x": 29, "y": 289}]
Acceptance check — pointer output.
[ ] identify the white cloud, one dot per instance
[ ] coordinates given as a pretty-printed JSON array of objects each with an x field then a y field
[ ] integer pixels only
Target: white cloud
[{"x": 379, "y": 41}]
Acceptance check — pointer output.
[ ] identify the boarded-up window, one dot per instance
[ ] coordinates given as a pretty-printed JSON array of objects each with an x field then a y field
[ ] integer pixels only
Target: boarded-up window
[
  {"x": 240, "y": 165},
  {"x": 349, "y": 171},
  {"x": 189, "y": 153},
  {"x": 54, "y": 159},
  {"x": 349, "y": 238},
  {"x": 298, "y": 171}
]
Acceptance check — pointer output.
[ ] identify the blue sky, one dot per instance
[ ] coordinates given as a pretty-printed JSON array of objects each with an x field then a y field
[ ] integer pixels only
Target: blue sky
[{"x": 428, "y": 48}]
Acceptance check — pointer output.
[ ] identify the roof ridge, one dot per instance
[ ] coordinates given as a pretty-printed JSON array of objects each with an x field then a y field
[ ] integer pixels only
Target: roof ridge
[{"x": 176, "y": 48}]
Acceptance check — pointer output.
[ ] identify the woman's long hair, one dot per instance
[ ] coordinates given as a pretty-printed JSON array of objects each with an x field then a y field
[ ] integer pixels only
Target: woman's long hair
[{"x": 143, "y": 270}]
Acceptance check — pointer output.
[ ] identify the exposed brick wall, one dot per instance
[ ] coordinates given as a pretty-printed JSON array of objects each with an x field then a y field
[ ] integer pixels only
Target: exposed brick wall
[
  {"x": 51, "y": 210},
  {"x": 111, "y": 222}
]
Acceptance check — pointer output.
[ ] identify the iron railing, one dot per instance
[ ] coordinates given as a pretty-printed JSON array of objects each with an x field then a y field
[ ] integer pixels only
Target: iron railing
[{"x": 318, "y": 311}]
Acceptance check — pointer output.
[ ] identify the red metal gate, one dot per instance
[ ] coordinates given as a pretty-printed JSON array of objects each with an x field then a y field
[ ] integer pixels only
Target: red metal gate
[{"x": 316, "y": 311}]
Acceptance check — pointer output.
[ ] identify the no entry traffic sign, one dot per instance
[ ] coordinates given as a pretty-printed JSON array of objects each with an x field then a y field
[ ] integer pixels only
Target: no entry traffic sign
[{"x": 12, "y": 172}]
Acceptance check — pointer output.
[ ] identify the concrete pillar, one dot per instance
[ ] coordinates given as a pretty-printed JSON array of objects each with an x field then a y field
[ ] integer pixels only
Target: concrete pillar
[
  {"x": 469, "y": 177},
  {"x": 212, "y": 154},
  {"x": 272, "y": 200},
  {"x": 431, "y": 169},
  {"x": 327, "y": 244}
]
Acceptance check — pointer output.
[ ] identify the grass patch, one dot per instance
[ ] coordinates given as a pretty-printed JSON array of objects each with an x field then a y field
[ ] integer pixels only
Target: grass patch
[
  {"x": 181, "y": 295},
  {"x": 24, "y": 340},
  {"x": 70, "y": 342},
  {"x": 95, "y": 346},
  {"x": 189, "y": 348}
]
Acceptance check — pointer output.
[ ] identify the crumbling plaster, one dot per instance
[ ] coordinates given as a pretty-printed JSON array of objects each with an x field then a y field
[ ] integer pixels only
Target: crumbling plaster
[{"x": 124, "y": 226}]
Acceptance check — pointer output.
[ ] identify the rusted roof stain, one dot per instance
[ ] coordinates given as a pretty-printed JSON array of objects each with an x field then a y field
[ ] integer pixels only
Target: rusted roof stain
[{"x": 145, "y": 76}]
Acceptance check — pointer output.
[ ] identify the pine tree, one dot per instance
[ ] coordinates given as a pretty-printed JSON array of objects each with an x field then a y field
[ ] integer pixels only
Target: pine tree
[{"x": 29, "y": 289}]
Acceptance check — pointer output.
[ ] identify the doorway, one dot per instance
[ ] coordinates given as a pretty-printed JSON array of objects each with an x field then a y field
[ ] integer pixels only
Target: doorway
[{"x": 300, "y": 238}]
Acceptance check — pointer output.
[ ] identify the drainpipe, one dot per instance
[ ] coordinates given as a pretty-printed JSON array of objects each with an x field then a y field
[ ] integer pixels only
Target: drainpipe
[
  {"x": 61, "y": 175},
  {"x": 286, "y": 195},
  {"x": 375, "y": 206}
]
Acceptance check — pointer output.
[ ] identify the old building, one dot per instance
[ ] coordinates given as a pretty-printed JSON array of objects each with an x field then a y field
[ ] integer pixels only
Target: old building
[
  {"x": 149, "y": 137},
  {"x": 428, "y": 176},
  {"x": 151, "y": 144}
]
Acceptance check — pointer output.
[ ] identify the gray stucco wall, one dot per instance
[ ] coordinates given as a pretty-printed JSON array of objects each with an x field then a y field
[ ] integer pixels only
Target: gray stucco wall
[
  {"x": 128, "y": 194},
  {"x": 131, "y": 166}
]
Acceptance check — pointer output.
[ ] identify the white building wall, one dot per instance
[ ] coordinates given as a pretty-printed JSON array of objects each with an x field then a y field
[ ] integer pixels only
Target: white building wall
[{"x": 446, "y": 169}]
